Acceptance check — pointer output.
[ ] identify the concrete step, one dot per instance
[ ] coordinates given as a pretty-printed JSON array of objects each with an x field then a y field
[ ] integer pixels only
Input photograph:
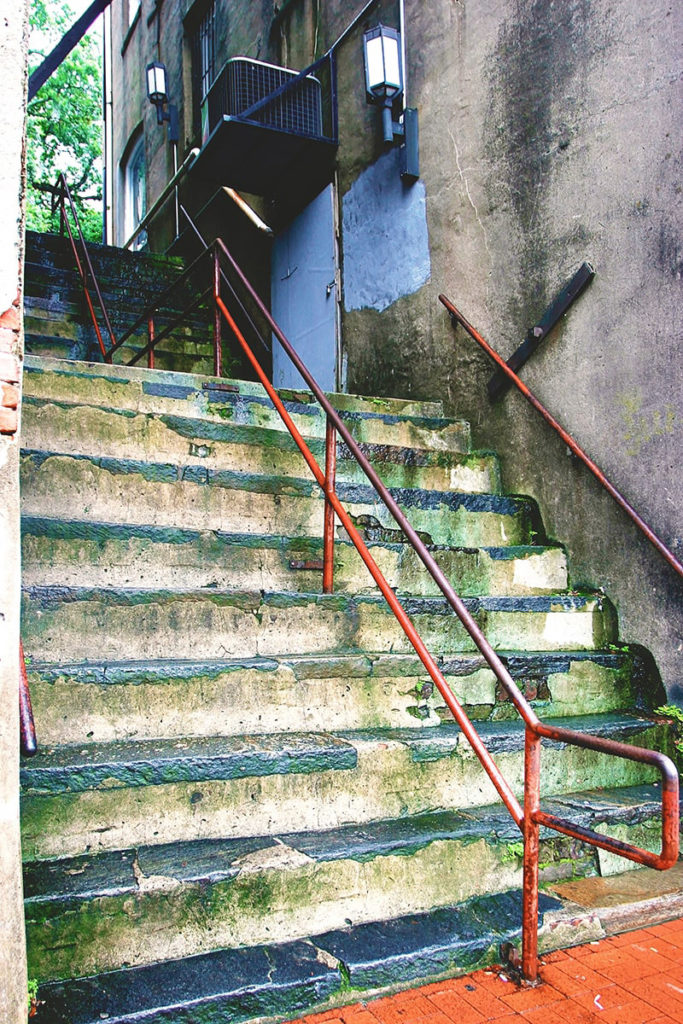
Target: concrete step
[
  {"x": 244, "y": 448},
  {"x": 102, "y": 489},
  {"x": 94, "y": 913},
  {"x": 107, "y": 701},
  {"x": 74, "y": 553},
  {"x": 64, "y": 624},
  {"x": 281, "y": 981},
  {"x": 50, "y": 254},
  {"x": 71, "y": 323},
  {"x": 181, "y": 354},
  {"x": 399, "y": 422},
  {"x": 57, "y": 319},
  {"x": 92, "y": 797},
  {"x": 60, "y": 291}
]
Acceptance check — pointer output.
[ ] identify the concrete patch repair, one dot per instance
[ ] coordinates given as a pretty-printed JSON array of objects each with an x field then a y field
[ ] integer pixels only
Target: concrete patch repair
[{"x": 386, "y": 245}]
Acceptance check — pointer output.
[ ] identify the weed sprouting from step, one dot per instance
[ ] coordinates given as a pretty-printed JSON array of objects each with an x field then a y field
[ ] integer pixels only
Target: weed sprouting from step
[{"x": 675, "y": 714}]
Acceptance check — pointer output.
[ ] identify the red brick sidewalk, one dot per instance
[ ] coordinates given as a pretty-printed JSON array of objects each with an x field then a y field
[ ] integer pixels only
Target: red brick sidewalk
[{"x": 632, "y": 978}]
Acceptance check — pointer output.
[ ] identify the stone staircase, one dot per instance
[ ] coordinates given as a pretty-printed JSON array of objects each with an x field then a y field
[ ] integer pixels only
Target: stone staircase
[
  {"x": 248, "y": 799},
  {"x": 56, "y": 318}
]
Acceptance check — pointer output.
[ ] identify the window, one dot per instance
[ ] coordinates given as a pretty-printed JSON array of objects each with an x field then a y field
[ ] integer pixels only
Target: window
[
  {"x": 135, "y": 193},
  {"x": 203, "y": 43}
]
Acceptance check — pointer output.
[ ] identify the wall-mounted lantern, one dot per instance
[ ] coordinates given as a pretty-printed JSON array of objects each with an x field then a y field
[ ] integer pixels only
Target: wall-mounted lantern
[
  {"x": 384, "y": 86},
  {"x": 157, "y": 93}
]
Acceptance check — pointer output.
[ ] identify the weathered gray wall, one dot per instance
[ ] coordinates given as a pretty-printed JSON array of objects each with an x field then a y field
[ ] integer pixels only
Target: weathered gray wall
[
  {"x": 549, "y": 135},
  {"x": 13, "y": 55}
]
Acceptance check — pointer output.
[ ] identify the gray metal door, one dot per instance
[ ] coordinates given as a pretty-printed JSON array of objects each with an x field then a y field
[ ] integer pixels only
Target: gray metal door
[{"x": 303, "y": 294}]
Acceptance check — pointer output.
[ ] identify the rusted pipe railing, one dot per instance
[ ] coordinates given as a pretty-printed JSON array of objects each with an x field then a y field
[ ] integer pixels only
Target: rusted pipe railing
[
  {"x": 170, "y": 187},
  {"x": 328, "y": 527},
  {"x": 530, "y": 818},
  {"x": 27, "y": 727},
  {"x": 151, "y": 343},
  {"x": 500, "y": 783},
  {"x": 64, "y": 194},
  {"x": 217, "y": 319},
  {"x": 457, "y": 317}
]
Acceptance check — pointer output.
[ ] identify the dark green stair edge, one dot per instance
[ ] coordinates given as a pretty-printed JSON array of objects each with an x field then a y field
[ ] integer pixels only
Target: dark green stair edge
[
  {"x": 176, "y": 384},
  {"x": 195, "y": 428},
  {"x": 311, "y": 547},
  {"x": 81, "y": 767},
  {"x": 49, "y": 597},
  {"x": 521, "y": 665},
  {"x": 62, "y": 885},
  {"x": 407, "y": 497},
  {"x": 78, "y": 768},
  {"x": 283, "y": 981}
]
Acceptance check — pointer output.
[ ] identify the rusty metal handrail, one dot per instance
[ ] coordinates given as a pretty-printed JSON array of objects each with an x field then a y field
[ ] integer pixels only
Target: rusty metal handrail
[
  {"x": 146, "y": 318},
  {"x": 457, "y": 317},
  {"x": 65, "y": 193},
  {"x": 27, "y": 726},
  {"x": 530, "y": 818},
  {"x": 165, "y": 194}
]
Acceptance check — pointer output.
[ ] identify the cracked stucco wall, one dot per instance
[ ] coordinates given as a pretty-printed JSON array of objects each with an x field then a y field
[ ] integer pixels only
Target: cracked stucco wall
[
  {"x": 13, "y": 56},
  {"x": 549, "y": 136}
]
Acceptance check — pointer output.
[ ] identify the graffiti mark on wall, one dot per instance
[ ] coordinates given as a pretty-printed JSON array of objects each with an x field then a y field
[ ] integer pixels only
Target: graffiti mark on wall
[{"x": 643, "y": 426}]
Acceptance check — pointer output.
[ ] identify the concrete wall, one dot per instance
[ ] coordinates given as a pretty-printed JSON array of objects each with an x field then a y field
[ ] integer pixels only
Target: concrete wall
[
  {"x": 547, "y": 137},
  {"x": 13, "y": 56}
]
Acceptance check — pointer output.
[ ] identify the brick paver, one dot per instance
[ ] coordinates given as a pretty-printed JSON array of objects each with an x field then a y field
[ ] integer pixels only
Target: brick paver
[{"x": 634, "y": 978}]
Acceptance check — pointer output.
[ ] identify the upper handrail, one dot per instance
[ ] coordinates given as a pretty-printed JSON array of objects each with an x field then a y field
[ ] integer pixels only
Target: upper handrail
[
  {"x": 158, "y": 303},
  {"x": 457, "y": 317},
  {"x": 163, "y": 196},
  {"x": 64, "y": 193}
]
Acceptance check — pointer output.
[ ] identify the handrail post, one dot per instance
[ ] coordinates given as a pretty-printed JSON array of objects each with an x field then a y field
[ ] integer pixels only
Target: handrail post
[
  {"x": 328, "y": 528},
  {"x": 217, "y": 342},
  {"x": 62, "y": 208},
  {"x": 150, "y": 338},
  {"x": 532, "y": 804}
]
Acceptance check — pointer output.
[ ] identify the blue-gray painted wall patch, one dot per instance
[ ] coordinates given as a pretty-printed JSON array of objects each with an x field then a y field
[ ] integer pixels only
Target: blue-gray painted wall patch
[{"x": 386, "y": 245}]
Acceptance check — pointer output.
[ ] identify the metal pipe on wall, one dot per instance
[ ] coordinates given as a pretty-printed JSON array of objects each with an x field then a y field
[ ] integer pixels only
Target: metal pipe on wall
[{"x": 402, "y": 30}]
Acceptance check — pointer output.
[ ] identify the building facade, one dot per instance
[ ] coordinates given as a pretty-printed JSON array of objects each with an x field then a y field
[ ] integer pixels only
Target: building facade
[{"x": 548, "y": 136}]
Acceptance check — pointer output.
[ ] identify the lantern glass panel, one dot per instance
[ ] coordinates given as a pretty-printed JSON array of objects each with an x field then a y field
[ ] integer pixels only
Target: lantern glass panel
[
  {"x": 392, "y": 64},
  {"x": 156, "y": 82},
  {"x": 374, "y": 55}
]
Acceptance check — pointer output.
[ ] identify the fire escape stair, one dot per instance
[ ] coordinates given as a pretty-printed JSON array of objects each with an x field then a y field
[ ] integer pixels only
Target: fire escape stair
[{"x": 248, "y": 799}]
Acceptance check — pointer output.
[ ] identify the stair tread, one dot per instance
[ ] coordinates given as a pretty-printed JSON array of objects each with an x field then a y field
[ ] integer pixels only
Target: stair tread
[
  {"x": 279, "y": 979},
  {"x": 84, "y": 529},
  {"x": 206, "y": 861},
  {"x": 226, "y": 431},
  {"x": 80, "y": 767},
  {"x": 179, "y": 385},
  {"x": 110, "y": 672},
  {"x": 173, "y": 472},
  {"x": 77, "y": 767},
  {"x": 50, "y": 596}
]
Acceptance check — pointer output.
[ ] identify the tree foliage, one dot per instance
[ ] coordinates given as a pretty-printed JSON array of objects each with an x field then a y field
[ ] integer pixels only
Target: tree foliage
[{"x": 65, "y": 126}]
